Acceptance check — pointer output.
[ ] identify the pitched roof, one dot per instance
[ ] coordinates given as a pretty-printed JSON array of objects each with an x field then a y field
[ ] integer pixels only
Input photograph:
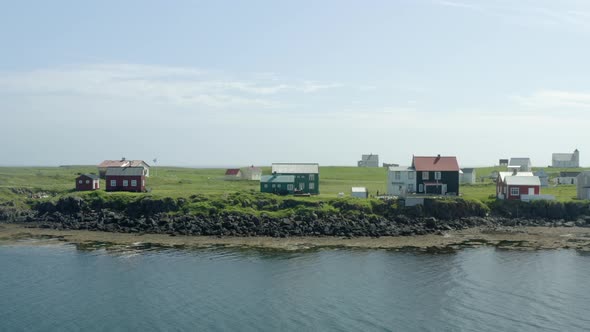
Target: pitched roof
[
  {"x": 91, "y": 176},
  {"x": 468, "y": 170},
  {"x": 518, "y": 180},
  {"x": 436, "y": 163},
  {"x": 569, "y": 174},
  {"x": 125, "y": 171},
  {"x": 519, "y": 161},
  {"x": 359, "y": 189},
  {"x": 503, "y": 175},
  {"x": 370, "y": 157},
  {"x": 278, "y": 178},
  {"x": 232, "y": 171},
  {"x": 123, "y": 163},
  {"x": 296, "y": 168},
  {"x": 400, "y": 169},
  {"x": 563, "y": 156}
]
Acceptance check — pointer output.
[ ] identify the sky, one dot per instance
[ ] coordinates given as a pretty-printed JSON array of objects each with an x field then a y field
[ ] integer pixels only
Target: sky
[{"x": 235, "y": 83}]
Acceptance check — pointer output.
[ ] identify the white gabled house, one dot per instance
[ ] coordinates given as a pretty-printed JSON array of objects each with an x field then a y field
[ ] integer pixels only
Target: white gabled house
[
  {"x": 401, "y": 180},
  {"x": 523, "y": 164}
]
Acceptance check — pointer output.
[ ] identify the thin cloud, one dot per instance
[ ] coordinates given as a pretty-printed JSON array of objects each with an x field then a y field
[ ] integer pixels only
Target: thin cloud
[
  {"x": 556, "y": 100},
  {"x": 163, "y": 84}
]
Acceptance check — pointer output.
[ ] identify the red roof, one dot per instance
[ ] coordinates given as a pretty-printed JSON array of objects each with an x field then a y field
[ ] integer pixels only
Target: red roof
[
  {"x": 232, "y": 171},
  {"x": 123, "y": 163},
  {"x": 438, "y": 163}
]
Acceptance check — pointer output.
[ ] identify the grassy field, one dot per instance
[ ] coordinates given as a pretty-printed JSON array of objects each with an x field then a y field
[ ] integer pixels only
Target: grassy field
[{"x": 16, "y": 182}]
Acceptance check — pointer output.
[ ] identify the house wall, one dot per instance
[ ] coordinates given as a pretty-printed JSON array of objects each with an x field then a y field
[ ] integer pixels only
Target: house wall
[
  {"x": 523, "y": 190},
  {"x": 303, "y": 182},
  {"x": 583, "y": 187},
  {"x": 119, "y": 183},
  {"x": 361, "y": 194},
  {"x": 277, "y": 188},
  {"x": 566, "y": 180},
  {"x": 87, "y": 184},
  {"x": 406, "y": 184},
  {"x": 565, "y": 164},
  {"x": 450, "y": 178}
]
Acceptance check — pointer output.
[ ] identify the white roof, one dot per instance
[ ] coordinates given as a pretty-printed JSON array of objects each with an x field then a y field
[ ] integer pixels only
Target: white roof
[
  {"x": 400, "y": 169},
  {"x": 517, "y": 180},
  {"x": 359, "y": 189},
  {"x": 296, "y": 168},
  {"x": 563, "y": 156},
  {"x": 520, "y": 161},
  {"x": 503, "y": 175}
]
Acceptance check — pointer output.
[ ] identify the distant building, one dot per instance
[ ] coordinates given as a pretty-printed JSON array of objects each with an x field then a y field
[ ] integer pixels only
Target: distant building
[
  {"x": 86, "y": 182},
  {"x": 567, "y": 178},
  {"x": 233, "y": 174},
  {"x": 251, "y": 173},
  {"x": 543, "y": 177},
  {"x": 566, "y": 160},
  {"x": 514, "y": 185},
  {"x": 277, "y": 184},
  {"x": 125, "y": 179},
  {"x": 307, "y": 175},
  {"x": 102, "y": 167},
  {"x": 583, "y": 185},
  {"x": 436, "y": 175},
  {"x": 359, "y": 192},
  {"x": 369, "y": 160},
  {"x": 503, "y": 162},
  {"x": 401, "y": 181},
  {"x": 468, "y": 176},
  {"x": 524, "y": 164}
]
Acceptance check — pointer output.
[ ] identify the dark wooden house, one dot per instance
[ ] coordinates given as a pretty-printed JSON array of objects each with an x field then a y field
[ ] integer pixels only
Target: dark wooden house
[
  {"x": 436, "y": 175},
  {"x": 125, "y": 179},
  {"x": 86, "y": 182}
]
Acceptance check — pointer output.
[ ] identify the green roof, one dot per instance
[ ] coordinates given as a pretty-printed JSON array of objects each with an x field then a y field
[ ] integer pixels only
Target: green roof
[{"x": 278, "y": 178}]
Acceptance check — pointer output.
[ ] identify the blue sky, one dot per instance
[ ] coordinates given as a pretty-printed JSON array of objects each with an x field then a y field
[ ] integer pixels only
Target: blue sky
[{"x": 225, "y": 83}]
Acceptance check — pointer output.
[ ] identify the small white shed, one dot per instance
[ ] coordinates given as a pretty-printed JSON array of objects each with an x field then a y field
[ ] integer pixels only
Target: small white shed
[{"x": 359, "y": 192}]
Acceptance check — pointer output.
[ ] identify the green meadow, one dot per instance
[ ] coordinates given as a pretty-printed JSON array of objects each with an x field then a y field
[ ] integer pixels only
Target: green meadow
[{"x": 20, "y": 183}]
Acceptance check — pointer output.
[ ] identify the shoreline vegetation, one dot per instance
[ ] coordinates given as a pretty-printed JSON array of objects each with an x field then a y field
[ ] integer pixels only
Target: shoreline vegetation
[{"x": 200, "y": 204}]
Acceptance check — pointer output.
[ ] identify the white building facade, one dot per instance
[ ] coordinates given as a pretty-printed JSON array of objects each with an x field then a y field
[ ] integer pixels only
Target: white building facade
[
  {"x": 401, "y": 181},
  {"x": 566, "y": 160}
]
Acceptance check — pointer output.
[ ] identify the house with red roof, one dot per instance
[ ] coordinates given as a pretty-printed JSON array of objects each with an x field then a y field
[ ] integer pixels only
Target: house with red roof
[
  {"x": 233, "y": 174},
  {"x": 438, "y": 175}
]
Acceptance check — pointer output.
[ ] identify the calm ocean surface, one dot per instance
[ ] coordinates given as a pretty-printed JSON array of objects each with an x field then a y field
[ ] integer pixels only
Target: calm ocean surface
[{"x": 59, "y": 288}]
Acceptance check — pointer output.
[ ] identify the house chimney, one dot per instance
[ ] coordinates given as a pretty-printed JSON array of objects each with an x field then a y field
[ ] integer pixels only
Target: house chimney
[
  {"x": 123, "y": 159},
  {"x": 514, "y": 171}
]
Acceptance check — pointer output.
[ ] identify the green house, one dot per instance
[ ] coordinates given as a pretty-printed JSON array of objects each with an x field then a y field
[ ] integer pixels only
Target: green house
[
  {"x": 277, "y": 184},
  {"x": 307, "y": 176}
]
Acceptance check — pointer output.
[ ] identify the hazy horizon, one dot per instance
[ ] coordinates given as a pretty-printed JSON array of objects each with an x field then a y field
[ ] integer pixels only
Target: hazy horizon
[{"x": 239, "y": 83}]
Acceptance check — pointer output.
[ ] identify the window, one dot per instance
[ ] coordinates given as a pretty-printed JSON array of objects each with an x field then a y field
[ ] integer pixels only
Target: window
[
  {"x": 514, "y": 191},
  {"x": 134, "y": 183},
  {"x": 290, "y": 187},
  {"x": 311, "y": 186},
  {"x": 125, "y": 183},
  {"x": 311, "y": 177},
  {"x": 424, "y": 175},
  {"x": 266, "y": 185},
  {"x": 80, "y": 181},
  {"x": 411, "y": 175},
  {"x": 87, "y": 181},
  {"x": 113, "y": 183},
  {"x": 397, "y": 175},
  {"x": 301, "y": 186},
  {"x": 274, "y": 185},
  {"x": 421, "y": 188},
  {"x": 410, "y": 187},
  {"x": 437, "y": 175}
]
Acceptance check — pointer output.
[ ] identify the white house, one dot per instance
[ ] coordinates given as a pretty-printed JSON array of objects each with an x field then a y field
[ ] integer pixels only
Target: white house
[
  {"x": 566, "y": 160},
  {"x": 401, "y": 181},
  {"x": 583, "y": 186},
  {"x": 251, "y": 173},
  {"x": 369, "y": 160},
  {"x": 359, "y": 192},
  {"x": 467, "y": 176},
  {"x": 524, "y": 163}
]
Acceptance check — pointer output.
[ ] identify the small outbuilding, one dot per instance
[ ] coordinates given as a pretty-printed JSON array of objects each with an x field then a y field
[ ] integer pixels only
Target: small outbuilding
[
  {"x": 543, "y": 177},
  {"x": 514, "y": 185},
  {"x": 503, "y": 162},
  {"x": 468, "y": 176},
  {"x": 251, "y": 173},
  {"x": 359, "y": 192},
  {"x": 125, "y": 179},
  {"x": 522, "y": 164},
  {"x": 567, "y": 178},
  {"x": 86, "y": 182},
  {"x": 369, "y": 160},
  {"x": 233, "y": 174}
]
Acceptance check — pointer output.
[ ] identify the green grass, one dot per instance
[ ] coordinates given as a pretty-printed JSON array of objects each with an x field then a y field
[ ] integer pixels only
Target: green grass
[{"x": 17, "y": 183}]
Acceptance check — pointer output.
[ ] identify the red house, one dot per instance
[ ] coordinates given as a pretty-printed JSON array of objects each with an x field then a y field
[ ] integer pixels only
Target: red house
[
  {"x": 515, "y": 185},
  {"x": 86, "y": 182},
  {"x": 125, "y": 179},
  {"x": 233, "y": 174}
]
